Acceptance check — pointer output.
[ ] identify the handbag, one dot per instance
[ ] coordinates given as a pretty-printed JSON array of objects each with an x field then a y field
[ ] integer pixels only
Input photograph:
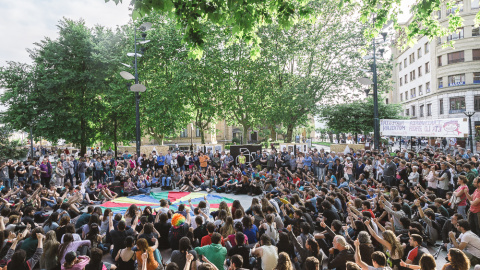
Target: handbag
[{"x": 454, "y": 201}]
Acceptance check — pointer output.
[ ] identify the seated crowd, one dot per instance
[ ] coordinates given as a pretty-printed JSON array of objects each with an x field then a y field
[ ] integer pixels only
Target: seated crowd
[{"x": 314, "y": 210}]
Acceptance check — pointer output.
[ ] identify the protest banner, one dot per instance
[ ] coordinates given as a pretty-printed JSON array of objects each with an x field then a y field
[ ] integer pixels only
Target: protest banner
[{"x": 451, "y": 127}]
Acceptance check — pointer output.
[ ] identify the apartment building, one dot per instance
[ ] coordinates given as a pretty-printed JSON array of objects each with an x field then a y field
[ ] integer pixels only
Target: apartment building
[{"x": 433, "y": 81}]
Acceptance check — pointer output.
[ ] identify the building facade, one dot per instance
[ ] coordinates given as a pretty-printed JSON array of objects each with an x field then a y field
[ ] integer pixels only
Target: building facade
[{"x": 433, "y": 81}]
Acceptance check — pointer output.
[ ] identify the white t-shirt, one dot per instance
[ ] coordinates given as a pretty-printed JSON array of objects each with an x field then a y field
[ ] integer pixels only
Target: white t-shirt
[{"x": 473, "y": 243}]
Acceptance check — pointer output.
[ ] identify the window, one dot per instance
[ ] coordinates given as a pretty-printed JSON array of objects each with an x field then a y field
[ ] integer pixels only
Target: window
[
  {"x": 401, "y": 96},
  {"x": 413, "y": 93},
  {"x": 475, "y": 31},
  {"x": 419, "y": 53},
  {"x": 420, "y": 90},
  {"x": 401, "y": 81},
  {"x": 458, "y": 5},
  {"x": 406, "y": 78},
  {"x": 412, "y": 58},
  {"x": 475, "y": 4},
  {"x": 421, "y": 110},
  {"x": 412, "y": 75},
  {"x": 439, "y": 14},
  {"x": 475, "y": 54},
  {"x": 476, "y": 103},
  {"x": 440, "y": 82},
  {"x": 400, "y": 66},
  {"x": 407, "y": 112},
  {"x": 439, "y": 60},
  {"x": 197, "y": 132},
  {"x": 429, "y": 109},
  {"x": 457, "y": 35},
  {"x": 426, "y": 48},
  {"x": 413, "y": 111},
  {"x": 386, "y": 101},
  {"x": 439, "y": 40},
  {"x": 183, "y": 133},
  {"x": 405, "y": 62},
  {"x": 406, "y": 95},
  {"x": 455, "y": 80},
  {"x": 440, "y": 105},
  {"x": 419, "y": 71},
  {"x": 427, "y": 87},
  {"x": 456, "y": 57},
  {"x": 457, "y": 105},
  {"x": 476, "y": 77},
  {"x": 427, "y": 67}
]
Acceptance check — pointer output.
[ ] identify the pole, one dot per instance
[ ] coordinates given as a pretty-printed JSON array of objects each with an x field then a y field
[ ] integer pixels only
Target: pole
[
  {"x": 376, "y": 130},
  {"x": 137, "y": 101},
  {"x": 31, "y": 142},
  {"x": 470, "y": 135},
  {"x": 191, "y": 138}
]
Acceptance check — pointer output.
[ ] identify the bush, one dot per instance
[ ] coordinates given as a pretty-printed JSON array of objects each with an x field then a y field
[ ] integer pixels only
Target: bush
[{"x": 236, "y": 140}]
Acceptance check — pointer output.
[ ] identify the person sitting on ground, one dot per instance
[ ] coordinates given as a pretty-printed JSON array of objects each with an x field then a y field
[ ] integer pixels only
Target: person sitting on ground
[{"x": 214, "y": 252}]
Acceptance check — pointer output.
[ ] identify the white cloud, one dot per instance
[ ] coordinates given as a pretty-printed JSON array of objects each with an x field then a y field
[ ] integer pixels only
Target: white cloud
[{"x": 24, "y": 22}]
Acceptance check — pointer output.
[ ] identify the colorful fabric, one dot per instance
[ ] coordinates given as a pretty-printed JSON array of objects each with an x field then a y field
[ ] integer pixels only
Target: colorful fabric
[{"x": 120, "y": 205}]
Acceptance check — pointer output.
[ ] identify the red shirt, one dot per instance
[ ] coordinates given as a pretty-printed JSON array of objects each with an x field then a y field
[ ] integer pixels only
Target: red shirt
[
  {"x": 412, "y": 254},
  {"x": 475, "y": 195},
  {"x": 207, "y": 240}
]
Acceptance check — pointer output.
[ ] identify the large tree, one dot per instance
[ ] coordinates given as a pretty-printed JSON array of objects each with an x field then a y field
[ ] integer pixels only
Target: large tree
[
  {"x": 65, "y": 85},
  {"x": 248, "y": 16},
  {"x": 357, "y": 117}
]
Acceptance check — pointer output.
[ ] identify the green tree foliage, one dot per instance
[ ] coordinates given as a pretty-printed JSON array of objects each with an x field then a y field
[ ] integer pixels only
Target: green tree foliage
[
  {"x": 10, "y": 148},
  {"x": 357, "y": 117},
  {"x": 61, "y": 95},
  {"x": 241, "y": 18},
  {"x": 311, "y": 63}
]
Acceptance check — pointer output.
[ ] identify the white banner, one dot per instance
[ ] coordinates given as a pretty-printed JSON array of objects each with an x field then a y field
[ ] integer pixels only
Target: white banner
[{"x": 452, "y": 127}]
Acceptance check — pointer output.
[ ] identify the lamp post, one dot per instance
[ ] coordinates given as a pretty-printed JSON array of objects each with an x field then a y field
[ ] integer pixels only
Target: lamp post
[
  {"x": 367, "y": 81},
  {"x": 470, "y": 134},
  {"x": 31, "y": 141},
  {"x": 191, "y": 138},
  {"x": 137, "y": 88}
]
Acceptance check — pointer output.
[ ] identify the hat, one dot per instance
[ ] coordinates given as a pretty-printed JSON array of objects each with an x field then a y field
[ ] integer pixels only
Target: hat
[{"x": 70, "y": 257}]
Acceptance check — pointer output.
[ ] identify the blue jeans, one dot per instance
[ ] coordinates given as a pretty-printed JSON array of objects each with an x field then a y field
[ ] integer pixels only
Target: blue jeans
[
  {"x": 166, "y": 181},
  {"x": 144, "y": 190},
  {"x": 51, "y": 204},
  {"x": 182, "y": 168},
  {"x": 82, "y": 177},
  {"x": 155, "y": 180},
  {"x": 462, "y": 210}
]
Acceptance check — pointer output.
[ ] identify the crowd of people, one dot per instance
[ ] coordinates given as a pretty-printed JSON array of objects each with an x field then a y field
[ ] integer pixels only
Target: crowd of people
[{"x": 313, "y": 210}]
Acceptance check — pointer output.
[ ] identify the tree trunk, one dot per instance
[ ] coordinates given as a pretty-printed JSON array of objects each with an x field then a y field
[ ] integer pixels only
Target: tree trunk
[
  {"x": 356, "y": 138},
  {"x": 330, "y": 137},
  {"x": 288, "y": 137},
  {"x": 115, "y": 137},
  {"x": 245, "y": 134},
  {"x": 202, "y": 135},
  {"x": 83, "y": 144},
  {"x": 272, "y": 133}
]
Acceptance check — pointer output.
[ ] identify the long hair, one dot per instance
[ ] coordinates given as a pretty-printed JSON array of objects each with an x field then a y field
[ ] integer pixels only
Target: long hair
[
  {"x": 50, "y": 247},
  {"x": 224, "y": 206},
  {"x": 427, "y": 262},
  {"x": 131, "y": 211},
  {"x": 397, "y": 248},
  {"x": 18, "y": 261},
  {"x": 67, "y": 239},
  {"x": 284, "y": 262},
  {"x": 315, "y": 248},
  {"x": 52, "y": 218},
  {"x": 459, "y": 260},
  {"x": 227, "y": 228}
]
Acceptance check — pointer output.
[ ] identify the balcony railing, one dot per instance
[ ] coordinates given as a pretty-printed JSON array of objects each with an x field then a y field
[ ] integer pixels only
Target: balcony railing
[
  {"x": 456, "y": 83},
  {"x": 456, "y": 111},
  {"x": 453, "y": 61}
]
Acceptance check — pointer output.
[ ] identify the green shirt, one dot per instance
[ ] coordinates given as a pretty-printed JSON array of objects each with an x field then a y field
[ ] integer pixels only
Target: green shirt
[
  {"x": 30, "y": 246},
  {"x": 470, "y": 176},
  {"x": 215, "y": 253}
]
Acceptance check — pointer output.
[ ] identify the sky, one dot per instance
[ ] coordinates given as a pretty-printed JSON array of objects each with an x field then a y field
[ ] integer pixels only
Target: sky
[{"x": 24, "y": 22}]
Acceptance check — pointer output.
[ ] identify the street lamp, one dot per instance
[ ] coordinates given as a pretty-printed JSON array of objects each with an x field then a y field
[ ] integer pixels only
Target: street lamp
[
  {"x": 191, "y": 138},
  {"x": 137, "y": 88},
  {"x": 367, "y": 81},
  {"x": 470, "y": 134},
  {"x": 31, "y": 139}
]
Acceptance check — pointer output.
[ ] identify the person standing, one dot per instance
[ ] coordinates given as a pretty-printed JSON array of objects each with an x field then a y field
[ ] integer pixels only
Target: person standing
[
  {"x": 82, "y": 168},
  {"x": 474, "y": 212},
  {"x": 389, "y": 171},
  {"x": 69, "y": 170},
  {"x": 46, "y": 172}
]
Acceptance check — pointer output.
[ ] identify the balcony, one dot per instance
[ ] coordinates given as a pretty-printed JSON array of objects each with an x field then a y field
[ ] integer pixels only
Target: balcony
[
  {"x": 453, "y": 61},
  {"x": 456, "y": 111}
]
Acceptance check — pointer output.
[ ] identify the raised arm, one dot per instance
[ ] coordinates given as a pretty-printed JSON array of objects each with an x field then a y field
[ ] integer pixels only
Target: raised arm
[
  {"x": 375, "y": 235},
  {"x": 358, "y": 257}
]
